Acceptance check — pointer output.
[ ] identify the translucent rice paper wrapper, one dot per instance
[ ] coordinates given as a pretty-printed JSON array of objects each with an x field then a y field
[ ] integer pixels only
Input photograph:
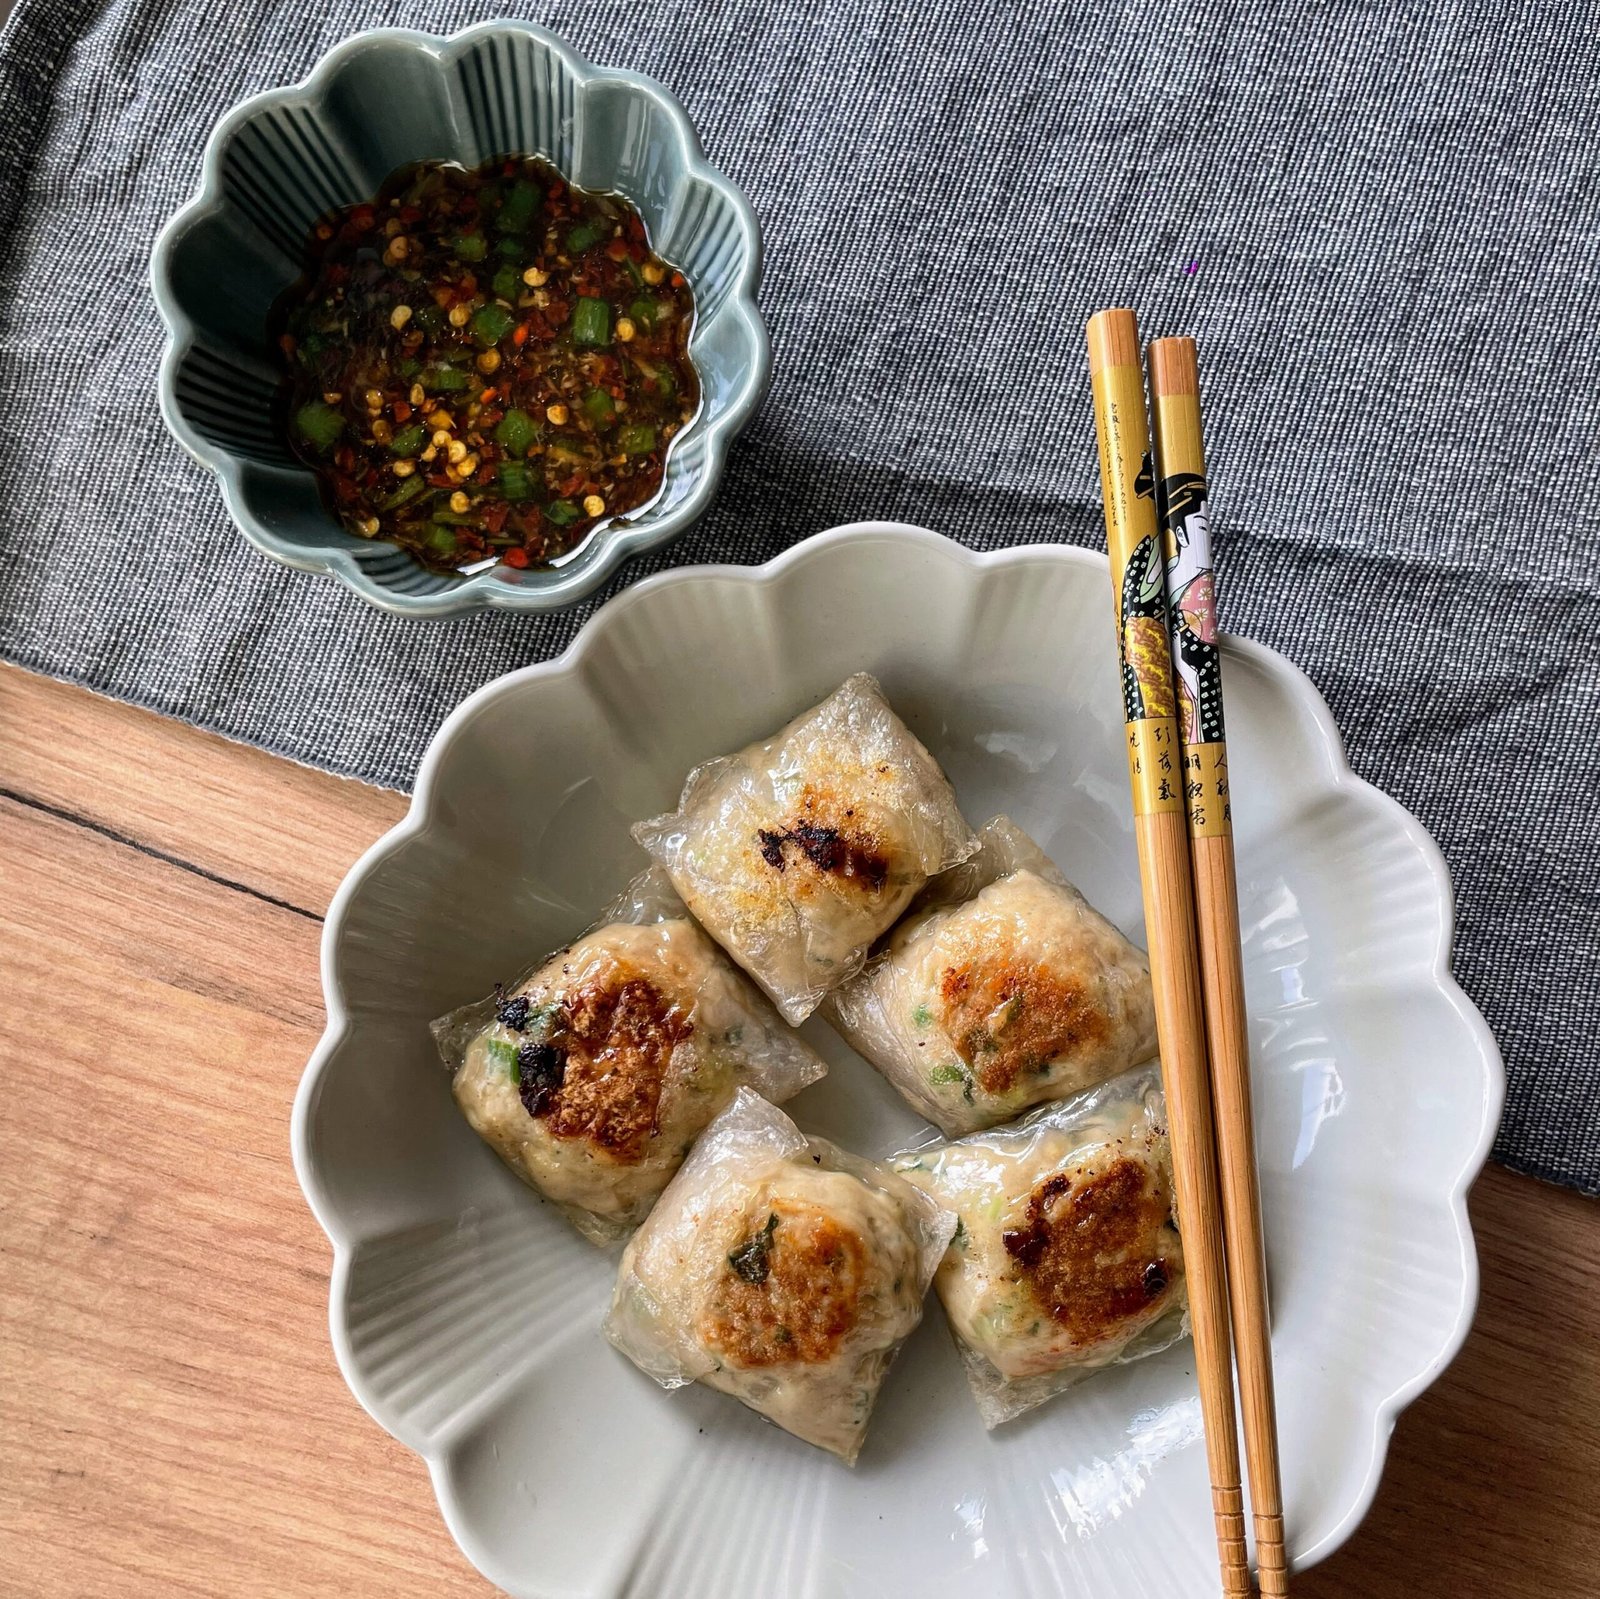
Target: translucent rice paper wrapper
[
  {"x": 781, "y": 1270},
  {"x": 1002, "y": 989},
  {"x": 1066, "y": 1257},
  {"x": 631, "y": 1040},
  {"x": 797, "y": 852}
]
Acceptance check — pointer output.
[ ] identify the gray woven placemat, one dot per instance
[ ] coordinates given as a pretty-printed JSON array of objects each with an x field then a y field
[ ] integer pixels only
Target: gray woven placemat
[{"x": 1394, "y": 219}]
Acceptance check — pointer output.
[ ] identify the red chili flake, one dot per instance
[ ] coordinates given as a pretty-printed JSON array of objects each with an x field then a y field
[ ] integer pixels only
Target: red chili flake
[
  {"x": 515, "y": 557},
  {"x": 635, "y": 227},
  {"x": 487, "y": 395},
  {"x": 677, "y": 280},
  {"x": 410, "y": 213},
  {"x": 440, "y": 481},
  {"x": 617, "y": 250},
  {"x": 494, "y": 516},
  {"x": 402, "y": 410},
  {"x": 520, "y": 337},
  {"x": 362, "y": 217},
  {"x": 286, "y": 343},
  {"x": 557, "y": 189},
  {"x": 570, "y": 485}
]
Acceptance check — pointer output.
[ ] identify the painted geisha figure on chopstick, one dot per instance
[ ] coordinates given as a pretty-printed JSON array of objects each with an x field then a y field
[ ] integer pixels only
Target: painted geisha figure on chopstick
[{"x": 1181, "y": 505}]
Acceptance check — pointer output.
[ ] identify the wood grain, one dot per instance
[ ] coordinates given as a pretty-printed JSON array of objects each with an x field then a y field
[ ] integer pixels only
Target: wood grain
[
  {"x": 1163, "y": 842},
  {"x": 1216, "y": 901},
  {"x": 171, "y": 1418}
]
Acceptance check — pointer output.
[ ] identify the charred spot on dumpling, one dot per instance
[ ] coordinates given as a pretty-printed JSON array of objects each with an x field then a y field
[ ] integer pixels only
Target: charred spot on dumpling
[
  {"x": 790, "y": 1291},
  {"x": 614, "y": 1037},
  {"x": 541, "y": 1070},
  {"x": 1007, "y": 1017},
  {"x": 1098, "y": 1252},
  {"x": 840, "y": 855},
  {"x": 825, "y": 833},
  {"x": 513, "y": 1012}
]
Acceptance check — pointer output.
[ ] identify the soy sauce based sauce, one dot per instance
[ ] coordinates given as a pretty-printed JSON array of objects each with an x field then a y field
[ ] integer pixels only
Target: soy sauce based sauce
[{"x": 485, "y": 365}]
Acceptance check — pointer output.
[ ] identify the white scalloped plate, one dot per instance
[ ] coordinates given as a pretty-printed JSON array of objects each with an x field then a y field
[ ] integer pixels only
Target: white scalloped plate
[{"x": 464, "y": 1312}]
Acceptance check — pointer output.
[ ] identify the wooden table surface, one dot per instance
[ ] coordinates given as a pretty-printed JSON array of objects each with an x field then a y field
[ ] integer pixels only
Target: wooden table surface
[{"x": 171, "y": 1418}]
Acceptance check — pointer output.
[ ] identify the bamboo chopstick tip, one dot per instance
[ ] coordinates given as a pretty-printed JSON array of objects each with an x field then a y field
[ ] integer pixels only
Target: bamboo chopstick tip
[
  {"x": 1113, "y": 339},
  {"x": 1174, "y": 367}
]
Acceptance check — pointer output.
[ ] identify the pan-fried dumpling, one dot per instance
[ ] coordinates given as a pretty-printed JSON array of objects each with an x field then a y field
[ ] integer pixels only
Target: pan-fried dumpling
[
  {"x": 1002, "y": 989},
  {"x": 1066, "y": 1256},
  {"x": 780, "y": 1270},
  {"x": 801, "y": 849},
  {"x": 592, "y": 1076}
]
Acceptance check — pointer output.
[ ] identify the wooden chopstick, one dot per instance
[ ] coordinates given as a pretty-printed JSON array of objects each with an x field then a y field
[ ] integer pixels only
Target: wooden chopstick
[
  {"x": 1161, "y": 833},
  {"x": 1180, "y": 472}
]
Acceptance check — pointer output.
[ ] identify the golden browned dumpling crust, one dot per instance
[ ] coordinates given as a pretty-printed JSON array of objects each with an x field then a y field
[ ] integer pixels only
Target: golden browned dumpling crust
[
  {"x": 610, "y": 1040},
  {"x": 1099, "y": 1252},
  {"x": 792, "y": 1291},
  {"x": 1008, "y": 1016}
]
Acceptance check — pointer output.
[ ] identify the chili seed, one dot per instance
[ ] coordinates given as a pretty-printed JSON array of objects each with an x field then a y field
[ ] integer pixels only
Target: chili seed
[
  {"x": 382, "y": 433},
  {"x": 400, "y": 316},
  {"x": 429, "y": 454},
  {"x": 625, "y": 329},
  {"x": 555, "y": 415},
  {"x": 651, "y": 273},
  {"x": 456, "y": 451},
  {"x": 418, "y": 394},
  {"x": 459, "y": 502},
  {"x": 534, "y": 278},
  {"x": 489, "y": 362},
  {"x": 369, "y": 525},
  {"x": 593, "y": 505},
  {"x": 460, "y": 315},
  {"x": 403, "y": 468},
  {"x": 332, "y": 397},
  {"x": 441, "y": 439}
]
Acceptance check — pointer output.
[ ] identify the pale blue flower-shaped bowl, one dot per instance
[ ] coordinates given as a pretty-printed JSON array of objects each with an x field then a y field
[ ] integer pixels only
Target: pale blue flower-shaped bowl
[{"x": 280, "y": 160}]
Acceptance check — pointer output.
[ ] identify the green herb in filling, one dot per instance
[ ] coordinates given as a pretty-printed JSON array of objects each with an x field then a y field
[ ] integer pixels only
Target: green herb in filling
[
  {"x": 504, "y": 1055},
  {"x": 749, "y": 1260}
]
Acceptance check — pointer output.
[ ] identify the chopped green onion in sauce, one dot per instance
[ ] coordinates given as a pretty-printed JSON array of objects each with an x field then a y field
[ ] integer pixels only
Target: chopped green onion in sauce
[{"x": 485, "y": 365}]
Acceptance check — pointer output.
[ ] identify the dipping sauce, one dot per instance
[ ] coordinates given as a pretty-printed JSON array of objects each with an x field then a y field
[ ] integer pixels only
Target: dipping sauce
[{"x": 485, "y": 365}]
